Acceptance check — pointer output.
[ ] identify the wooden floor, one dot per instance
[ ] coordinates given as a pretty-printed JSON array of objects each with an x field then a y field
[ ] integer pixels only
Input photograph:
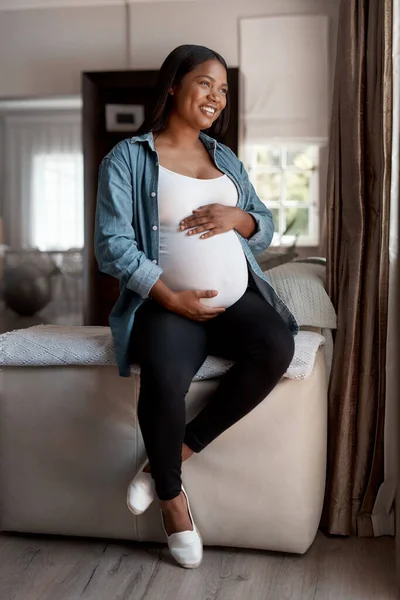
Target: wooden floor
[{"x": 55, "y": 568}]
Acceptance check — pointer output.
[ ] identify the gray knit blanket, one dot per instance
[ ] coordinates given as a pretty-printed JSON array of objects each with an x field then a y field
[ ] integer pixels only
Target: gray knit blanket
[{"x": 55, "y": 345}]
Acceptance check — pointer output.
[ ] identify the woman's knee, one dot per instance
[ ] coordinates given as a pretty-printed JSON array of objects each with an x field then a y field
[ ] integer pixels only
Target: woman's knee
[
  {"x": 278, "y": 350},
  {"x": 285, "y": 349}
]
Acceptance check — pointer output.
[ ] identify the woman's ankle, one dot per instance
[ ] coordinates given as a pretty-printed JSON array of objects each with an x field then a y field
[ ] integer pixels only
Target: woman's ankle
[
  {"x": 174, "y": 505},
  {"x": 186, "y": 452},
  {"x": 176, "y": 515}
]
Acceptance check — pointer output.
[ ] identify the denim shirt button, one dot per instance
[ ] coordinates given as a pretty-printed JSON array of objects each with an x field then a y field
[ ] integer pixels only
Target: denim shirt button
[
  {"x": 154, "y": 261},
  {"x": 155, "y": 227},
  {"x": 153, "y": 194}
]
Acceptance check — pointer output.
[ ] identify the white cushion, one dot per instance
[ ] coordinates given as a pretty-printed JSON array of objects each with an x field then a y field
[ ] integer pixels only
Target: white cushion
[{"x": 301, "y": 286}]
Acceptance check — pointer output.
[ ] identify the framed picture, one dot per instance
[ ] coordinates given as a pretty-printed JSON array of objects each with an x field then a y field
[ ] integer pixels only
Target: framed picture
[{"x": 124, "y": 117}]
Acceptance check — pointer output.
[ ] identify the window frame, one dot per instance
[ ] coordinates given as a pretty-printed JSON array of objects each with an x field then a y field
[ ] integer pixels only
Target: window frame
[{"x": 249, "y": 158}]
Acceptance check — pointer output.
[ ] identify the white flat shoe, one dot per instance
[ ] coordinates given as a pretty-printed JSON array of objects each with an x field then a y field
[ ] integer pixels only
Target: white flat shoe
[
  {"x": 141, "y": 491},
  {"x": 186, "y": 547}
]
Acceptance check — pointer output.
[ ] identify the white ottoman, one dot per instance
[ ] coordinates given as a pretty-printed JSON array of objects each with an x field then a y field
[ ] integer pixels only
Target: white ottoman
[{"x": 70, "y": 444}]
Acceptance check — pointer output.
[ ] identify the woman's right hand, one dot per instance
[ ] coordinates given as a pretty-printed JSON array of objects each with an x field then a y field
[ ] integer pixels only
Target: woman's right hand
[{"x": 187, "y": 303}]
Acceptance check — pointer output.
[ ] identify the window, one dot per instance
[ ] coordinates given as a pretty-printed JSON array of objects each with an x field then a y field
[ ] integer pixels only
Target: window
[
  {"x": 43, "y": 181},
  {"x": 57, "y": 201},
  {"x": 286, "y": 178}
]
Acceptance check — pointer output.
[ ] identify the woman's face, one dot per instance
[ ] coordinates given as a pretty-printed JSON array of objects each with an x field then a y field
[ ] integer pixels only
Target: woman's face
[{"x": 201, "y": 96}]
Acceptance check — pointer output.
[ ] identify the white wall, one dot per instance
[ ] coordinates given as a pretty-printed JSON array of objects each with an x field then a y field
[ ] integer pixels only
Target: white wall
[
  {"x": 42, "y": 52},
  {"x": 157, "y": 29}
]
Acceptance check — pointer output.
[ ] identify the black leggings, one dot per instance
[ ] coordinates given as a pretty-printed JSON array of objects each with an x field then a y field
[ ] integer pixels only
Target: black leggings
[{"x": 170, "y": 351}]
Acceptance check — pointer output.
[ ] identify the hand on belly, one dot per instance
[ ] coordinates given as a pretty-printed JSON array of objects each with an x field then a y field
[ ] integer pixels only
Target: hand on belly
[{"x": 217, "y": 263}]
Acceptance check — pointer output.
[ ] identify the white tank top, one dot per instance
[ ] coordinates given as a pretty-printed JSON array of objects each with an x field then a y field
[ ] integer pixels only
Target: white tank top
[{"x": 217, "y": 263}]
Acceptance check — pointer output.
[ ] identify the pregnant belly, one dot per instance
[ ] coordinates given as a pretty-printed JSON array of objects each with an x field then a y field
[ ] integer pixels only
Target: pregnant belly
[{"x": 217, "y": 263}]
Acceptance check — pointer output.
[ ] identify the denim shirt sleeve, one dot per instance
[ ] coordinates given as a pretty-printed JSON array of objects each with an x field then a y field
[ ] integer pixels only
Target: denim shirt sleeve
[
  {"x": 262, "y": 237},
  {"x": 116, "y": 248}
]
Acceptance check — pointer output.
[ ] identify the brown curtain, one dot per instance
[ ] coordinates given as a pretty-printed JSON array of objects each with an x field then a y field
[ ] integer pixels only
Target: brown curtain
[{"x": 357, "y": 252}]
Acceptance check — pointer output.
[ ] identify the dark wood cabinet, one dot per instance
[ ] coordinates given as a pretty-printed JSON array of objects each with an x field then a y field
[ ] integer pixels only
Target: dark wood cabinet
[{"x": 99, "y": 90}]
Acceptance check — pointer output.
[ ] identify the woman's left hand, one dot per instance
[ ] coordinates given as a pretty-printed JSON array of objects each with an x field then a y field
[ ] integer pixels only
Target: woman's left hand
[{"x": 212, "y": 219}]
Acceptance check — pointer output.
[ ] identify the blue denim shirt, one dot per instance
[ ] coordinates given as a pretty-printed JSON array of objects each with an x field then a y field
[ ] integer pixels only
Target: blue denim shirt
[{"x": 127, "y": 230}]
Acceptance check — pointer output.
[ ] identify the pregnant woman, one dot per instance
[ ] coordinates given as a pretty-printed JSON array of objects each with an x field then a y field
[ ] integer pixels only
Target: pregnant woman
[{"x": 178, "y": 223}]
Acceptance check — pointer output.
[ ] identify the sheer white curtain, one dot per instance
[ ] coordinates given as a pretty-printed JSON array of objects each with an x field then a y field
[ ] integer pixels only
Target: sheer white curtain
[{"x": 43, "y": 180}]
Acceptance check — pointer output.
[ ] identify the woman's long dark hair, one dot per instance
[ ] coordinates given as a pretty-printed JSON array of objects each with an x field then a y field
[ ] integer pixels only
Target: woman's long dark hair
[{"x": 178, "y": 63}]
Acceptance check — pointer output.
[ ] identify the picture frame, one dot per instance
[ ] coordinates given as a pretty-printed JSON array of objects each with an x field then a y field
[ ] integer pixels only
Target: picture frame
[{"x": 124, "y": 117}]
